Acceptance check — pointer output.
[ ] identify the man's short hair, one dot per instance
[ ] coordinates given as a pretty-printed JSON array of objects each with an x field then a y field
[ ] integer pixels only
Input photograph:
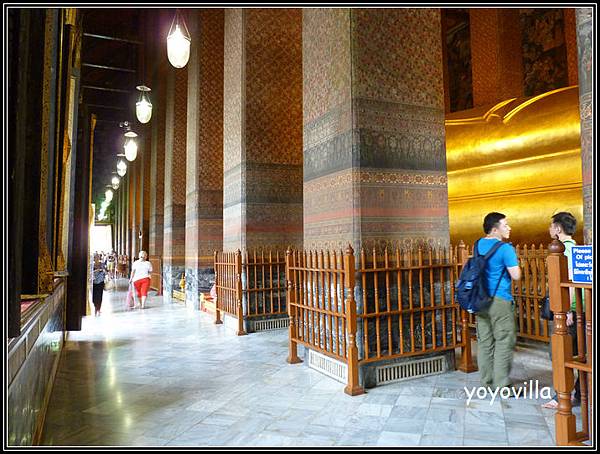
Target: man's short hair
[
  {"x": 492, "y": 220},
  {"x": 566, "y": 221}
]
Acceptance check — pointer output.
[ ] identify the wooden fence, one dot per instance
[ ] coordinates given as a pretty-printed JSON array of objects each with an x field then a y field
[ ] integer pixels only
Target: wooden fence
[
  {"x": 528, "y": 293},
  {"x": 228, "y": 282},
  {"x": 263, "y": 284},
  {"x": 564, "y": 364},
  {"x": 405, "y": 305},
  {"x": 250, "y": 285},
  {"x": 156, "y": 275}
]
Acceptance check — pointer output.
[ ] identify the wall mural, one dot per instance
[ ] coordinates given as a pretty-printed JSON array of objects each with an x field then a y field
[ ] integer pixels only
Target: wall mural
[
  {"x": 544, "y": 50},
  {"x": 458, "y": 46}
]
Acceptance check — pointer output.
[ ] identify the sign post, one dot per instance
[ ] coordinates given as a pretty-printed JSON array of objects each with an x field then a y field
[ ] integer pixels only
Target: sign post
[{"x": 582, "y": 264}]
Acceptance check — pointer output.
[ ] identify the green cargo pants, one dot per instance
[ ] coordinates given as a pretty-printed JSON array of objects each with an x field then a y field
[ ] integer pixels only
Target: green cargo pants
[{"x": 496, "y": 339}]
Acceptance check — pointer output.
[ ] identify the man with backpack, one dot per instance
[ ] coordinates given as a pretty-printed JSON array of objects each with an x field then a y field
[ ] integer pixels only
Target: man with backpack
[{"x": 496, "y": 327}]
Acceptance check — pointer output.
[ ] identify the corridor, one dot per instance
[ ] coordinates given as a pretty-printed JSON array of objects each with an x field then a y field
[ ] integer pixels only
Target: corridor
[{"x": 167, "y": 376}]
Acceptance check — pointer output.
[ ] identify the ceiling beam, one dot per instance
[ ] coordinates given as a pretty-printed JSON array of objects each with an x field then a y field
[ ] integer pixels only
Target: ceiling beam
[
  {"x": 110, "y": 68},
  {"x": 112, "y": 38},
  {"x": 118, "y": 90},
  {"x": 103, "y": 106}
]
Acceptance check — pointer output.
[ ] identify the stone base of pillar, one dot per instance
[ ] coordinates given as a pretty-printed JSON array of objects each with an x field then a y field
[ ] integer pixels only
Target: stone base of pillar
[
  {"x": 171, "y": 279},
  {"x": 197, "y": 280}
]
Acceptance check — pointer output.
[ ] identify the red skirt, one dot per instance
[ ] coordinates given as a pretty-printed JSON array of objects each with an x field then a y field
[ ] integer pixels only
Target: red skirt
[{"x": 142, "y": 286}]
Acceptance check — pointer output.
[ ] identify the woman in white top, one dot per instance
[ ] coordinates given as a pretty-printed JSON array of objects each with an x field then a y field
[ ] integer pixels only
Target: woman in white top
[{"x": 140, "y": 276}]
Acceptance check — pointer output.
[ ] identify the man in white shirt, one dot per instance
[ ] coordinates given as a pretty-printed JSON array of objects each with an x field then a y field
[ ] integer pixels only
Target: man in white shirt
[{"x": 140, "y": 276}]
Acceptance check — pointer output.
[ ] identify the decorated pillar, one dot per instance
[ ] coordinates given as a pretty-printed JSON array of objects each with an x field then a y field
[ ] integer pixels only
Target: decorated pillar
[
  {"x": 133, "y": 208},
  {"x": 374, "y": 153},
  {"x": 571, "y": 44},
  {"x": 175, "y": 172},
  {"x": 145, "y": 184},
  {"x": 496, "y": 49},
  {"x": 585, "y": 50},
  {"x": 262, "y": 131},
  {"x": 204, "y": 181},
  {"x": 157, "y": 165}
]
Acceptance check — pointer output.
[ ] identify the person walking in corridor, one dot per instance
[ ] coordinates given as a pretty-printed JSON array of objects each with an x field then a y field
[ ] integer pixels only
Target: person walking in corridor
[
  {"x": 496, "y": 327},
  {"x": 140, "y": 276},
  {"x": 98, "y": 278}
]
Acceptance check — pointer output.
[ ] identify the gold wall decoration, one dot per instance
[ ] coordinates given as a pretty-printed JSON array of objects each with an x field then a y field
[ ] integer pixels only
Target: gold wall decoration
[
  {"x": 70, "y": 16},
  {"x": 45, "y": 272},
  {"x": 45, "y": 277},
  {"x": 521, "y": 157},
  {"x": 73, "y": 29}
]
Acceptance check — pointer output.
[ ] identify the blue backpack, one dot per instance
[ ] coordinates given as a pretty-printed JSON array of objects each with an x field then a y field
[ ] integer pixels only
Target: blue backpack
[{"x": 471, "y": 288}]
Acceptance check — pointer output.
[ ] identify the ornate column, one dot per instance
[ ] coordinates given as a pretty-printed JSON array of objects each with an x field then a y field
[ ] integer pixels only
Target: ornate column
[
  {"x": 585, "y": 48},
  {"x": 175, "y": 172},
  {"x": 262, "y": 135},
  {"x": 374, "y": 138},
  {"x": 204, "y": 181},
  {"x": 374, "y": 154},
  {"x": 133, "y": 208},
  {"x": 157, "y": 166}
]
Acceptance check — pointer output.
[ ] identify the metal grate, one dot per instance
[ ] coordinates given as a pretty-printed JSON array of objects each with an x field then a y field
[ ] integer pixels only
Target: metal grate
[
  {"x": 413, "y": 369},
  {"x": 276, "y": 323},
  {"x": 328, "y": 366}
]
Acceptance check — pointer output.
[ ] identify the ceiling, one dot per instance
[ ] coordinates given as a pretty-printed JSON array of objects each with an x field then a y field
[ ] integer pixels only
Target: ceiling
[{"x": 111, "y": 62}]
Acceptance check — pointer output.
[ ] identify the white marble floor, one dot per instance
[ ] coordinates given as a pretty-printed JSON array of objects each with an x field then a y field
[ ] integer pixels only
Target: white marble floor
[{"x": 167, "y": 376}]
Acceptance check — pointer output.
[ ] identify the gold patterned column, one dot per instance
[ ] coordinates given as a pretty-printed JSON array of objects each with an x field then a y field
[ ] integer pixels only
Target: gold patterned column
[{"x": 585, "y": 37}]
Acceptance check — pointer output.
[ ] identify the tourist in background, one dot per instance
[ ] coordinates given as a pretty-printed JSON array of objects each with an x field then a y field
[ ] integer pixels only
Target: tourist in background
[
  {"x": 98, "y": 277},
  {"x": 140, "y": 276}
]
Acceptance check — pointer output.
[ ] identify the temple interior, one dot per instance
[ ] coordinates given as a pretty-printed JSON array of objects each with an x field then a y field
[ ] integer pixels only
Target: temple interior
[{"x": 306, "y": 185}]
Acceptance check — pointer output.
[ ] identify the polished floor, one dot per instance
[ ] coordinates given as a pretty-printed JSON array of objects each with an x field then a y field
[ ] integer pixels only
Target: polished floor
[{"x": 167, "y": 376}]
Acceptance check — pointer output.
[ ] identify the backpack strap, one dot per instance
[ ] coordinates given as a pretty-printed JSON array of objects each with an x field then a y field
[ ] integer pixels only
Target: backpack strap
[
  {"x": 493, "y": 250},
  {"x": 487, "y": 256},
  {"x": 499, "y": 280}
]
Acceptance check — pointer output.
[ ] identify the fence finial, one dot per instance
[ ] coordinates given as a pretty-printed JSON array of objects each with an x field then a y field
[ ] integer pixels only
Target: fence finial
[
  {"x": 349, "y": 249},
  {"x": 556, "y": 247}
]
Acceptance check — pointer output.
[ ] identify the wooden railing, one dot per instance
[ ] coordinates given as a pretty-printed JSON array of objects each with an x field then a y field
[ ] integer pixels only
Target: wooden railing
[
  {"x": 156, "y": 275},
  {"x": 528, "y": 293},
  {"x": 564, "y": 364},
  {"x": 397, "y": 319},
  {"x": 263, "y": 283},
  {"x": 228, "y": 282},
  {"x": 250, "y": 285},
  {"x": 408, "y": 305},
  {"x": 322, "y": 308}
]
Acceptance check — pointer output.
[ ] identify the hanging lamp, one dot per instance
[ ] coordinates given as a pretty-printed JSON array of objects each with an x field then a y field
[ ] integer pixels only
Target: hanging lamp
[
  {"x": 143, "y": 108},
  {"x": 131, "y": 147},
  {"x": 178, "y": 42}
]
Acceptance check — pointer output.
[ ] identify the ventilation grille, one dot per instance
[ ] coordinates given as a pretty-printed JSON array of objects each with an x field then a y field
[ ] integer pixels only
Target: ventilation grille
[
  {"x": 276, "y": 323},
  {"x": 328, "y": 366},
  {"x": 413, "y": 369}
]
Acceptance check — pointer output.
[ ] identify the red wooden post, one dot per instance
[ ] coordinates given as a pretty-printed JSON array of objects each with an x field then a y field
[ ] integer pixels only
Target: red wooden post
[
  {"x": 291, "y": 302},
  {"x": 218, "y": 320},
  {"x": 238, "y": 287},
  {"x": 562, "y": 347},
  {"x": 353, "y": 388},
  {"x": 466, "y": 357}
]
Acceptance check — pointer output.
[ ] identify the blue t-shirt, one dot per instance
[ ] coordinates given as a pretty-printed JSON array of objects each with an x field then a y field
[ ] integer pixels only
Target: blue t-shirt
[{"x": 504, "y": 257}]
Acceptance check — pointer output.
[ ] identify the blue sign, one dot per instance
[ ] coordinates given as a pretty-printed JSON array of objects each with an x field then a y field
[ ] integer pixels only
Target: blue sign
[{"x": 582, "y": 264}]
